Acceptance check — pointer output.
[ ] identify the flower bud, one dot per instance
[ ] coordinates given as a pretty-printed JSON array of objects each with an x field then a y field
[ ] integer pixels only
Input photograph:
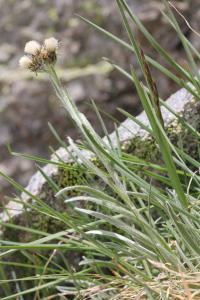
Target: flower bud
[
  {"x": 51, "y": 44},
  {"x": 25, "y": 62},
  {"x": 32, "y": 47}
]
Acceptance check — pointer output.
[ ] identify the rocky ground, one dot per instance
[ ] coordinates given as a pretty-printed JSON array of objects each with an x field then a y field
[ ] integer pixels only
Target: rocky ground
[{"x": 26, "y": 104}]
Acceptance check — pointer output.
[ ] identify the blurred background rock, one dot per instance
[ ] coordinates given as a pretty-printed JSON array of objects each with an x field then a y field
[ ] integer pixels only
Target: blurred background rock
[{"x": 27, "y": 105}]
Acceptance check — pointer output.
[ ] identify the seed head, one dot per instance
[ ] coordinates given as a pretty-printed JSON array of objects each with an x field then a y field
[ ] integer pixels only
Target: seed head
[
  {"x": 39, "y": 57},
  {"x": 25, "y": 62},
  {"x": 32, "y": 48},
  {"x": 51, "y": 44}
]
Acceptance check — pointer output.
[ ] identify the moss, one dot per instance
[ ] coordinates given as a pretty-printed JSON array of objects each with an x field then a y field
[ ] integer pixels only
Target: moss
[
  {"x": 181, "y": 137},
  {"x": 74, "y": 175},
  {"x": 142, "y": 148},
  {"x": 47, "y": 223}
]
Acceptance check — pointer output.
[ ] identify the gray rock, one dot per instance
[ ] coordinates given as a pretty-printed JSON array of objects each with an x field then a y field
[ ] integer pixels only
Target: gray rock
[
  {"x": 81, "y": 46},
  {"x": 130, "y": 133}
]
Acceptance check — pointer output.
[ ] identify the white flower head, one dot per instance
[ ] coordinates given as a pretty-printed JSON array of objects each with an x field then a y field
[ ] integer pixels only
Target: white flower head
[
  {"x": 51, "y": 44},
  {"x": 32, "y": 47},
  {"x": 25, "y": 62}
]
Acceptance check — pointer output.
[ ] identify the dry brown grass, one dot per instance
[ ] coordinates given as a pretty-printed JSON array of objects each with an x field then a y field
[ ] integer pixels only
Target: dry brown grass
[{"x": 169, "y": 284}]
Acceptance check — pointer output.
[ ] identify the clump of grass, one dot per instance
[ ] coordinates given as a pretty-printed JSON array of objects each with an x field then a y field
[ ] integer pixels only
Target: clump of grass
[{"x": 124, "y": 238}]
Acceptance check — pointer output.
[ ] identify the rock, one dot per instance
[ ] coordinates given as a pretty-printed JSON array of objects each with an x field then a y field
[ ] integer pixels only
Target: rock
[
  {"x": 6, "y": 52},
  {"x": 21, "y": 122},
  {"x": 134, "y": 140}
]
